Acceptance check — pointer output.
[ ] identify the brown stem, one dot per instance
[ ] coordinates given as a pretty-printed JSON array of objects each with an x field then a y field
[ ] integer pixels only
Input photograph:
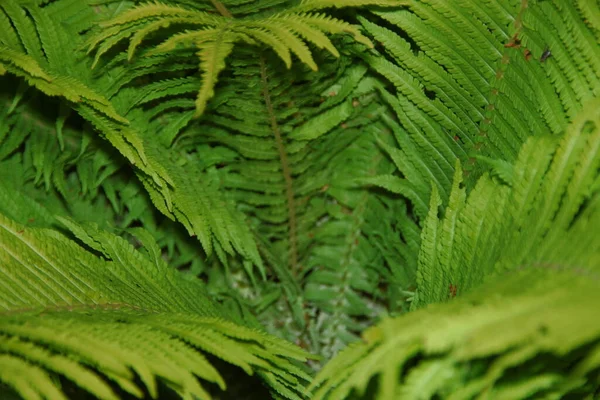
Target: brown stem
[
  {"x": 221, "y": 8},
  {"x": 285, "y": 167}
]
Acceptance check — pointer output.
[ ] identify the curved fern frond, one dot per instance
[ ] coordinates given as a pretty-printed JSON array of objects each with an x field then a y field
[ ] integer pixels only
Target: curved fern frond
[
  {"x": 300, "y": 24},
  {"x": 95, "y": 100},
  {"x": 538, "y": 322},
  {"x": 439, "y": 111},
  {"x": 286, "y": 147},
  {"x": 66, "y": 312},
  {"x": 286, "y": 32},
  {"x": 49, "y": 73},
  {"x": 324, "y": 23},
  {"x": 212, "y": 61}
]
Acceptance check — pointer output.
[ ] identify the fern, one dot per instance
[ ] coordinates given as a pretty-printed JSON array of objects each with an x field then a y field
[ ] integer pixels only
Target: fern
[
  {"x": 463, "y": 92},
  {"x": 293, "y": 188},
  {"x": 216, "y": 37},
  {"x": 508, "y": 339},
  {"x": 309, "y": 168},
  {"x": 130, "y": 142},
  {"x": 536, "y": 307},
  {"x": 78, "y": 299}
]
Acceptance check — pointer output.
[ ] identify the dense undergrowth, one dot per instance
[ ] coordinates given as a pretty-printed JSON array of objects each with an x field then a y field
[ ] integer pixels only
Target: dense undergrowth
[{"x": 300, "y": 199}]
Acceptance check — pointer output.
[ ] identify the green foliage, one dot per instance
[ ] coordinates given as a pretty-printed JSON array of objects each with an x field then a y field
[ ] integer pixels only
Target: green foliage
[
  {"x": 154, "y": 164},
  {"x": 530, "y": 334},
  {"x": 531, "y": 330},
  {"x": 469, "y": 82},
  {"x": 115, "y": 316},
  {"x": 284, "y": 32},
  {"x": 539, "y": 219},
  {"x": 418, "y": 151}
]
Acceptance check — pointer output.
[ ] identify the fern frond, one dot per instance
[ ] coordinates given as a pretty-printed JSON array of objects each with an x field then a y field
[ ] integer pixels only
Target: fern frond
[
  {"x": 518, "y": 241},
  {"x": 102, "y": 113},
  {"x": 218, "y": 35},
  {"x": 280, "y": 179},
  {"x": 24, "y": 27},
  {"x": 282, "y": 170},
  {"x": 9, "y": 36},
  {"x": 24, "y": 64},
  {"x": 464, "y": 74},
  {"x": 332, "y": 25},
  {"x": 141, "y": 34},
  {"x": 184, "y": 38},
  {"x": 212, "y": 61},
  {"x": 291, "y": 40},
  {"x": 530, "y": 321},
  {"x": 499, "y": 227},
  {"x": 66, "y": 310},
  {"x": 401, "y": 187},
  {"x": 590, "y": 12},
  {"x": 158, "y": 10},
  {"x": 264, "y": 35},
  {"x": 301, "y": 26},
  {"x": 324, "y": 122}
]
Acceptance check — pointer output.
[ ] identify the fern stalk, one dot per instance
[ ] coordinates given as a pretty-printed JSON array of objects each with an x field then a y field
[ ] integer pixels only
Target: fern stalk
[
  {"x": 285, "y": 169},
  {"x": 221, "y": 8}
]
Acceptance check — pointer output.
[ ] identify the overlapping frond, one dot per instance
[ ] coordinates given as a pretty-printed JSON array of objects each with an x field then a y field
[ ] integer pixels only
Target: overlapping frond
[
  {"x": 108, "y": 113},
  {"x": 392, "y": 165},
  {"x": 529, "y": 331},
  {"x": 500, "y": 227},
  {"x": 285, "y": 32},
  {"x": 532, "y": 334},
  {"x": 285, "y": 148},
  {"x": 43, "y": 66},
  {"x": 476, "y": 80},
  {"x": 66, "y": 312}
]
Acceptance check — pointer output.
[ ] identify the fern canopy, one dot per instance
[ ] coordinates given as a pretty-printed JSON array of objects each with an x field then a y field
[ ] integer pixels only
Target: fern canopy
[{"x": 183, "y": 181}]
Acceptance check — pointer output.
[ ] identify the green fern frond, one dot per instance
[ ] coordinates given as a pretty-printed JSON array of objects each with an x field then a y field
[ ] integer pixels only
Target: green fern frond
[
  {"x": 529, "y": 321},
  {"x": 464, "y": 75},
  {"x": 324, "y": 122},
  {"x": 23, "y": 64},
  {"x": 291, "y": 40},
  {"x": 141, "y": 34},
  {"x": 218, "y": 35},
  {"x": 301, "y": 26},
  {"x": 102, "y": 113},
  {"x": 186, "y": 38},
  {"x": 401, "y": 187},
  {"x": 266, "y": 36},
  {"x": 499, "y": 227},
  {"x": 339, "y": 175},
  {"x": 212, "y": 61},
  {"x": 331, "y": 25},
  {"x": 240, "y": 149},
  {"x": 120, "y": 314},
  {"x": 590, "y": 12}
]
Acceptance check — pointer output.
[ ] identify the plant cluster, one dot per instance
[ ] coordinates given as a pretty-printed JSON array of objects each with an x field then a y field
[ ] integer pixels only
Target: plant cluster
[{"x": 299, "y": 199}]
